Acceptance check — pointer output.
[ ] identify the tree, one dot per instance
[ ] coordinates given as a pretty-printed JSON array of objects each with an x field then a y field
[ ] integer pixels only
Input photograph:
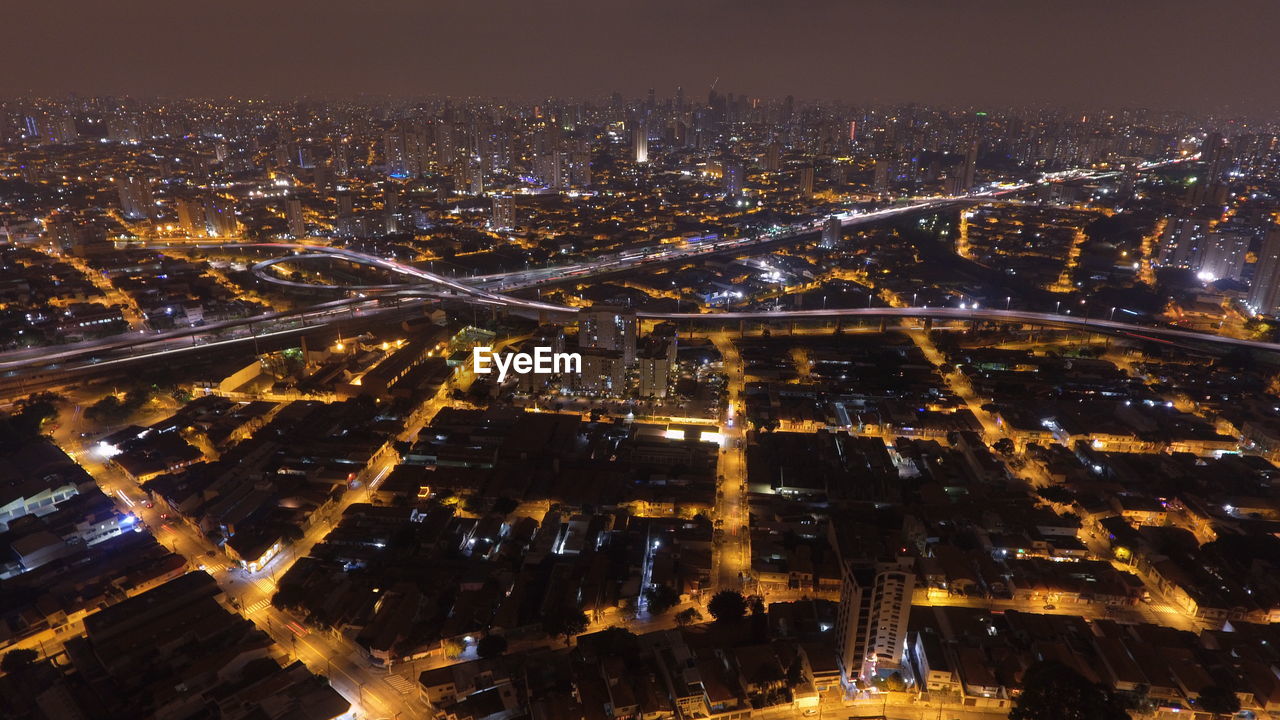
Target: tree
[
  {"x": 35, "y": 411},
  {"x": 688, "y": 616},
  {"x": 727, "y": 607},
  {"x": 661, "y": 598},
  {"x": 288, "y": 596},
  {"x": 291, "y": 533},
  {"x": 565, "y": 621},
  {"x": 15, "y": 661},
  {"x": 453, "y": 648},
  {"x": 893, "y": 682},
  {"x": 504, "y": 506},
  {"x": 1056, "y": 494},
  {"x": 491, "y": 646},
  {"x": 1053, "y": 691},
  {"x": 1218, "y": 700}
]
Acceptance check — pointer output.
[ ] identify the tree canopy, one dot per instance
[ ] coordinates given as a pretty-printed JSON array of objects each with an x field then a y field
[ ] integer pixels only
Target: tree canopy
[
  {"x": 1053, "y": 691},
  {"x": 727, "y": 606},
  {"x": 661, "y": 598}
]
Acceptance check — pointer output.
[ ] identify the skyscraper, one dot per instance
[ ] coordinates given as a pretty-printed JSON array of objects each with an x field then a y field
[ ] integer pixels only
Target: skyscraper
[
  {"x": 475, "y": 177},
  {"x": 640, "y": 143},
  {"x": 191, "y": 218},
  {"x": 969, "y": 173},
  {"x": 220, "y": 218},
  {"x": 734, "y": 178},
  {"x": 877, "y": 579},
  {"x": 880, "y": 179},
  {"x": 610, "y": 328},
  {"x": 1264, "y": 295},
  {"x": 402, "y": 149},
  {"x": 1224, "y": 253},
  {"x": 503, "y": 213},
  {"x": 341, "y": 158},
  {"x": 1181, "y": 241},
  {"x": 136, "y": 202},
  {"x": 772, "y": 157},
  {"x": 831, "y": 231},
  {"x": 805, "y": 185}
]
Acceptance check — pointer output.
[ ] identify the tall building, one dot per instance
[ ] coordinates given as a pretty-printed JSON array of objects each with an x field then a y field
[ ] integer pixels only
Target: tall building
[
  {"x": 390, "y": 200},
  {"x": 475, "y": 177},
  {"x": 503, "y": 213},
  {"x": 191, "y": 217},
  {"x": 603, "y": 372},
  {"x": 880, "y": 179},
  {"x": 640, "y": 143},
  {"x": 654, "y": 367},
  {"x": 772, "y": 157},
  {"x": 403, "y": 150},
  {"x": 734, "y": 178},
  {"x": 346, "y": 204},
  {"x": 877, "y": 579},
  {"x": 62, "y": 129},
  {"x": 220, "y": 218},
  {"x": 1224, "y": 254},
  {"x": 1215, "y": 153},
  {"x": 610, "y": 328},
  {"x": 341, "y": 158},
  {"x": 1264, "y": 295},
  {"x": 580, "y": 169},
  {"x": 136, "y": 201},
  {"x": 293, "y": 214},
  {"x": 806, "y": 181},
  {"x": 1180, "y": 245},
  {"x": 831, "y": 232},
  {"x": 969, "y": 172}
]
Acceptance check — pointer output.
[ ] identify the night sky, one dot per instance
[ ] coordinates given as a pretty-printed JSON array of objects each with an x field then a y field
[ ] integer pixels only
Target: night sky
[{"x": 1174, "y": 54}]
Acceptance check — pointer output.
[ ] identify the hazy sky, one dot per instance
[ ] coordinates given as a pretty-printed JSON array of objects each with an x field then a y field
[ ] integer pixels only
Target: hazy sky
[{"x": 1158, "y": 53}]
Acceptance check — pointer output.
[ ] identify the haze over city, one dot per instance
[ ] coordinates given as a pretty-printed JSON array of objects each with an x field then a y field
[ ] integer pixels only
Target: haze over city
[
  {"x": 1163, "y": 54},
  {"x": 640, "y": 361}
]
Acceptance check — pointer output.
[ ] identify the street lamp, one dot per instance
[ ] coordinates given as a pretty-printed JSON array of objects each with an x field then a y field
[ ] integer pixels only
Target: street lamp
[{"x": 1007, "y": 300}]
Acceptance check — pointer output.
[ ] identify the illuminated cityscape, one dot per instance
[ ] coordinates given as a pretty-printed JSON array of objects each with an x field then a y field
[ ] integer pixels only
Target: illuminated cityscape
[{"x": 360, "y": 393}]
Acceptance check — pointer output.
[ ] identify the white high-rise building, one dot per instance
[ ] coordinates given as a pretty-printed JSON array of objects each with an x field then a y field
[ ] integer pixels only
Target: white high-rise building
[
  {"x": 640, "y": 143},
  {"x": 1223, "y": 254},
  {"x": 871, "y": 625},
  {"x": 877, "y": 579}
]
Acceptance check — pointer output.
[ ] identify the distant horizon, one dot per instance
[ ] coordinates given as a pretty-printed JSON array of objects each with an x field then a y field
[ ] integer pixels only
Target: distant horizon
[
  {"x": 872, "y": 105},
  {"x": 1175, "y": 55}
]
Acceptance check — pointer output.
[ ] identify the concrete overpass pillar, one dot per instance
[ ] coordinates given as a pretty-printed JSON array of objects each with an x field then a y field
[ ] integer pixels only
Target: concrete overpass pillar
[
  {"x": 884, "y": 324},
  {"x": 928, "y": 324},
  {"x": 742, "y": 328}
]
